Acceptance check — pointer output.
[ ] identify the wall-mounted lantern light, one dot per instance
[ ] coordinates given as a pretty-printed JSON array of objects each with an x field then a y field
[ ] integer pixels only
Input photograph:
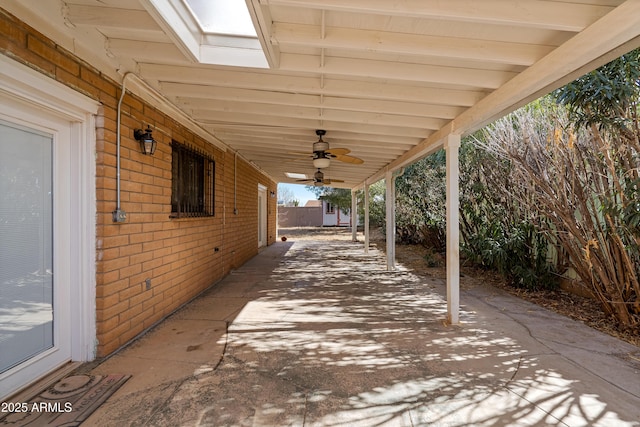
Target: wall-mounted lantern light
[{"x": 147, "y": 143}]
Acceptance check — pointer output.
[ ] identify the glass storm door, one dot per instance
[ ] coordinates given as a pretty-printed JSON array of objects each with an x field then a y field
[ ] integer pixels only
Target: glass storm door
[
  {"x": 26, "y": 244},
  {"x": 47, "y": 226}
]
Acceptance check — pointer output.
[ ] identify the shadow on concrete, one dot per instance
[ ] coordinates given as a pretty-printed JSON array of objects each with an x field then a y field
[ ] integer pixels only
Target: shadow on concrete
[{"x": 325, "y": 336}]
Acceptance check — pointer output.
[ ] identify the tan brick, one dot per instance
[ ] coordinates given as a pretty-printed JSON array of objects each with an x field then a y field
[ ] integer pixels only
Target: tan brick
[
  {"x": 152, "y": 319},
  {"x": 113, "y": 334},
  {"x": 161, "y": 270},
  {"x": 108, "y": 325},
  {"x": 131, "y": 187},
  {"x": 115, "y": 264},
  {"x": 151, "y": 302},
  {"x": 141, "y": 178},
  {"x": 135, "y": 330},
  {"x": 140, "y": 238},
  {"x": 154, "y": 116},
  {"x": 141, "y": 257},
  {"x": 166, "y": 306},
  {"x": 113, "y": 310},
  {"x": 49, "y": 52},
  {"x": 152, "y": 189},
  {"x": 107, "y": 301},
  {"x": 130, "y": 270},
  {"x": 103, "y": 349},
  {"x": 129, "y": 292},
  {"x": 141, "y": 319},
  {"x": 12, "y": 30},
  {"x": 130, "y": 250},
  {"x": 131, "y": 102},
  {"x": 96, "y": 81},
  {"x": 133, "y": 311},
  {"x": 140, "y": 197},
  {"x": 140, "y": 299},
  {"x": 152, "y": 264}
]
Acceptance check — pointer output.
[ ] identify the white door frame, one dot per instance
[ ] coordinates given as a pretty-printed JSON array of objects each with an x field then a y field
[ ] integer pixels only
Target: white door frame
[
  {"x": 262, "y": 215},
  {"x": 31, "y": 99}
]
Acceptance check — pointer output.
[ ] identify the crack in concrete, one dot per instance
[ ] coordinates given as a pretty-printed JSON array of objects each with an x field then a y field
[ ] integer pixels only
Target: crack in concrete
[{"x": 224, "y": 348}]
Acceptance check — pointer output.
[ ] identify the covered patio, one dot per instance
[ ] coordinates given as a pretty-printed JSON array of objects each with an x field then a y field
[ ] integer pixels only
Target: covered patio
[
  {"x": 314, "y": 332},
  {"x": 387, "y": 82}
]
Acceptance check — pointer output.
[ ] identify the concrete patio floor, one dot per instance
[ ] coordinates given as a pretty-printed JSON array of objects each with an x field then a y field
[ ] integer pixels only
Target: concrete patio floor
[{"x": 317, "y": 333}]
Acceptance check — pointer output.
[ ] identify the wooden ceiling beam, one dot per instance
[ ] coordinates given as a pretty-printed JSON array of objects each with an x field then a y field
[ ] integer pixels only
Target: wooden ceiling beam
[
  {"x": 408, "y": 44},
  {"x": 197, "y": 99},
  {"x": 533, "y": 14},
  {"x": 392, "y": 71},
  {"x": 210, "y": 86}
]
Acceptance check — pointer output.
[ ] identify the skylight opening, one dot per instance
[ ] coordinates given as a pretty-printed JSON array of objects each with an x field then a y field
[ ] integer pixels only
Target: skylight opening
[
  {"x": 228, "y": 17},
  {"x": 293, "y": 175}
]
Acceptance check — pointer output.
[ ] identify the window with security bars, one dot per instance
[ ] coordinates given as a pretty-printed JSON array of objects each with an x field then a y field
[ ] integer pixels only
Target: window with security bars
[{"x": 192, "y": 182}]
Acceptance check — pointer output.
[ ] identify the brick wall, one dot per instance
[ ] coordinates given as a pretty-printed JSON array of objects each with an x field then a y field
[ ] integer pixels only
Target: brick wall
[{"x": 178, "y": 256}]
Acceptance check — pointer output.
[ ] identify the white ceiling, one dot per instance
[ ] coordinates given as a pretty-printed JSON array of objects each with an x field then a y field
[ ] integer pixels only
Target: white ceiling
[{"x": 386, "y": 79}]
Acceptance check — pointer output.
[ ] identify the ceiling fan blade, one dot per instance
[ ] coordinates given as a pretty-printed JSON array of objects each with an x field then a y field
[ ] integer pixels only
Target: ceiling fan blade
[
  {"x": 338, "y": 151},
  {"x": 350, "y": 159},
  {"x": 329, "y": 181}
]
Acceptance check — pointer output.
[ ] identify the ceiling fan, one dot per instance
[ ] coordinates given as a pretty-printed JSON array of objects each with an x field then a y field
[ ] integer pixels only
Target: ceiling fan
[
  {"x": 318, "y": 179},
  {"x": 322, "y": 154}
]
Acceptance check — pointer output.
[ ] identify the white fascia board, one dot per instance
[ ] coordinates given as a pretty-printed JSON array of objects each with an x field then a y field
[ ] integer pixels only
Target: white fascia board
[
  {"x": 174, "y": 18},
  {"x": 262, "y": 22}
]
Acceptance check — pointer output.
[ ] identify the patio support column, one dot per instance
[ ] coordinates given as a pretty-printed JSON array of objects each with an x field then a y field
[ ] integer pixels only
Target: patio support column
[
  {"x": 390, "y": 204},
  {"x": 366, "y": 218},
  {"x": 451, "y": 146},
  {"x": 354, "y": 216}
]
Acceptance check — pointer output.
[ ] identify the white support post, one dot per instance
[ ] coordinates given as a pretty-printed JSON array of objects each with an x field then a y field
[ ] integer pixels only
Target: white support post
[
  {"x": 354, "y": 216},
  {"x": 390, "y": 204},
  {"x": 366, "y": 218},
  {"x": 451, "y": 146}
]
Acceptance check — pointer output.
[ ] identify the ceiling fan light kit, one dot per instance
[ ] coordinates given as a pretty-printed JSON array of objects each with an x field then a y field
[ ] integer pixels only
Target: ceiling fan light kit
[
  {"x": 318, "y": 179},
  {"x": 322, "y": 156},
  {"x": 320, "y": 159},
  {"x": 321, "y": 162}
]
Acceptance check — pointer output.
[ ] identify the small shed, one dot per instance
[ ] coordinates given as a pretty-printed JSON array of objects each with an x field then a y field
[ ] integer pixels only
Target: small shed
[
  {"x": 315, "y": 213},
  {"x": 334, "y": 217}
]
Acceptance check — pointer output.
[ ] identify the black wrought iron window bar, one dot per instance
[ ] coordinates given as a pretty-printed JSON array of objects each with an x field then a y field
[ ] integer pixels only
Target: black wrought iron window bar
[{"x": 192, "y": 182}]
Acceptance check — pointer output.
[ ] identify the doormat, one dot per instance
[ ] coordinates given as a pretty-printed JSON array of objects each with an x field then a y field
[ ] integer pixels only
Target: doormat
[{"x": 68, "y": 402}]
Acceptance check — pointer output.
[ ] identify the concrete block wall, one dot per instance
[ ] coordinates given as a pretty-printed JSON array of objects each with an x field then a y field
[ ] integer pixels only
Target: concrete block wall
[
  {"x": 300, "y": 216},
  {"x": 178, "y": 257}
]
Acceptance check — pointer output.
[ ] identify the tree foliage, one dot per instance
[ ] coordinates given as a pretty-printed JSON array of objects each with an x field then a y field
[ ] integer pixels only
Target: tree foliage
[
  {"x": 550, "y": 189},
  {"x": 498, "y": 231},
  {"x": 576, "y": 185},
  {"x": 338, "y": 197},
  {"x": 377, "y": 214},
  {"x": 606, "y": 98},
  {"x": 287, "y": 197},
  {"x": 420, "y": 209}
]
